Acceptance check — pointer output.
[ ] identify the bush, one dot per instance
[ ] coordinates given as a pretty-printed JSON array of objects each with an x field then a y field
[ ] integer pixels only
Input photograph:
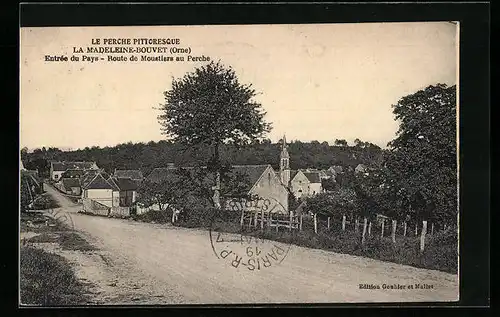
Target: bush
[
  {"x": 197, "y": 217},
  {"x": 45, "y": 202},
  {"x": 48, "y": 279},
  {"x": 441, "y": 252},
  {"x": 158, "y": 216}
]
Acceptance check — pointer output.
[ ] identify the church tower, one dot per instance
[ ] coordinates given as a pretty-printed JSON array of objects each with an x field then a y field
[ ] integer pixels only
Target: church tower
[{"x": 284, "y": 163}]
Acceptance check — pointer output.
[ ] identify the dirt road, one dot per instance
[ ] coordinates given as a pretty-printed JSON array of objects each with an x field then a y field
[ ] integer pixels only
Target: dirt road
[{"x": 162, "y": 264}]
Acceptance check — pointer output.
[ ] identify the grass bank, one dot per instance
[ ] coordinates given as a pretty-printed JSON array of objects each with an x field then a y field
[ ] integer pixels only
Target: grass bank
[{"x": 47, "y": 279}]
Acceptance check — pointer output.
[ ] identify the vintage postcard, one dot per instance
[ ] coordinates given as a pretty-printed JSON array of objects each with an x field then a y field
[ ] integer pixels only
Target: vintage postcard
[{"x": 239, "y": 164}]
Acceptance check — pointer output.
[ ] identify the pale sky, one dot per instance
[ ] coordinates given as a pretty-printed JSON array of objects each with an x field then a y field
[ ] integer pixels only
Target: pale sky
[{"x": 316, "y": 82}]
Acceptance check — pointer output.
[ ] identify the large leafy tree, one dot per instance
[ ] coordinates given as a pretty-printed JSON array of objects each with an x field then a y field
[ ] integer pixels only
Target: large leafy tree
[
  {"x": 422, "y": 159},
  {"x": 162, "y": 193},
  {"x": 210, "y": 106},
  {"x": 196, "y": 181}
]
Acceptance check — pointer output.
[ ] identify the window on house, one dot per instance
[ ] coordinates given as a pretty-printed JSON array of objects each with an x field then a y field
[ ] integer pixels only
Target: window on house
[{"x": 269, "y": 178}]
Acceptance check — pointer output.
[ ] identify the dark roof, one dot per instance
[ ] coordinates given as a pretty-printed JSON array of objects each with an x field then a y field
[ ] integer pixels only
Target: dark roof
[
  {"x": 313, "y": 177},
  {"x": 132, "y": 174},
  {"x": 70, "y": 182},
  {"x": 101, "y": 181},
  {"x": 73, "y": 173},
  {"x": 252, "y": 173},
  {"x": 87, "y": 177},
  {"x": 125, "y": 184},
  {"x": 63, "y": 166}
]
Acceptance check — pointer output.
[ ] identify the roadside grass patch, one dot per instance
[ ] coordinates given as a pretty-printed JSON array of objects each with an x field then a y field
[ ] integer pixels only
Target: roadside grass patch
[
  {"x": 44, "y": 237},
  {"x": 47, "y": 279},
  {"x": 39, "y": 223},
  {"x": 73, "y": 241},
  {"x": 66, "y": 239},
  {"x": 46, "y": 201}
]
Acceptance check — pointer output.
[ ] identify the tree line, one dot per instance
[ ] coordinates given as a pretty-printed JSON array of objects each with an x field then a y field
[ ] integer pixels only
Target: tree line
[{"x": 147, "y": 156}]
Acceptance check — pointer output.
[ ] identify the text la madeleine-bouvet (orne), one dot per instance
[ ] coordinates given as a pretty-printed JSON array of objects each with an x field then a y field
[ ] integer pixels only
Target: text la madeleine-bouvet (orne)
[{"x": 165, "y": 50}]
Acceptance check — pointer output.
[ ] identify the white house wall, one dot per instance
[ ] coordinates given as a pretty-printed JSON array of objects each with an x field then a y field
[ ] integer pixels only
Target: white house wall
[
  {"x": 300, "y": 185},
  {"x": 58, "y": 174},
  {"x": 269, "y": 187},
  {"x": 103, "y": 196},
  {"x": 314, "y": 188},
  {"x": 116, "y": 198}
]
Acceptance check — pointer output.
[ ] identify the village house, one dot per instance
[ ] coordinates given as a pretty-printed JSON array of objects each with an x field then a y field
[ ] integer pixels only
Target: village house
[
  {"x": 73, "y": 173},
  {"x": 301, "y": 183},
  {"x": 133, "y": 175},
  {"x": 70, "y": 186},
  {"x": 58, "y": 168},
  {"x": 106, "y": 195},
  {"x": 305, "y": 184}
]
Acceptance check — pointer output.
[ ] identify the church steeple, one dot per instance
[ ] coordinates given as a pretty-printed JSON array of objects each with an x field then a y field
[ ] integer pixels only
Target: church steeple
[{"x": 284, "y": 163}]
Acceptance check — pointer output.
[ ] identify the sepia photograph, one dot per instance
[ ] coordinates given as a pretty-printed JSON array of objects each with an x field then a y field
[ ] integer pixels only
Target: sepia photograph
[{"x": 239, "y": 164}]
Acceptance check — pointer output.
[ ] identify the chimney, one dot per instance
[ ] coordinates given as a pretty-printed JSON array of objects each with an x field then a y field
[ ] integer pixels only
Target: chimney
[{"x": 170, "y": 165}]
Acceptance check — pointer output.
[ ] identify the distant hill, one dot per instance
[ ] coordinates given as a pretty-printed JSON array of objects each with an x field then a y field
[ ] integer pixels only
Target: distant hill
[{"x": 146, "y": 156}]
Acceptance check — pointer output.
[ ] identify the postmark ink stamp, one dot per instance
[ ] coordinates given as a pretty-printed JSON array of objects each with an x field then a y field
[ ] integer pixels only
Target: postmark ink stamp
[{"x": 247, "y": 248}]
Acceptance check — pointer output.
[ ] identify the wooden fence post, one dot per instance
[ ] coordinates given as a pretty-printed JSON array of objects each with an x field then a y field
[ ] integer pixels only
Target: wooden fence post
[
  {"x": 370, "y": 229},
  {"x": 242, "y": 217},
  {"x": 173, "y": 215},
  {"x": 356, "y": 225},
  {"x": 382, "y": 231},
  {"x": 364, "y": 230},
  {"x": 404, "y": 231},
  {"x": 328, "y": 225},
  {"x": 343, "y": 222},
  {"x": 301, "y": 222},
  {"x": 416, "y": 228},
  {"x": 290, "y": 225},
  {"x": 262, "y": 220},
  {"x": 256, "y": 218},
  {"x": 270, "y": 222},
  {"x": 422, "y": 236},
  {"x": 432, "y": 228},
  {"x": 393, "y": 234},
  {"x": 315, "y": 224}
]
